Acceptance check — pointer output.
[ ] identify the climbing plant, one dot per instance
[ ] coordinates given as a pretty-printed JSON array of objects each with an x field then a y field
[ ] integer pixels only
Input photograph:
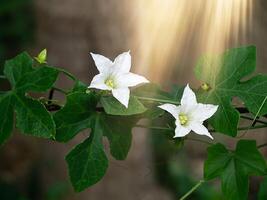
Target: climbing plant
[{"x": 107, "y": 108}]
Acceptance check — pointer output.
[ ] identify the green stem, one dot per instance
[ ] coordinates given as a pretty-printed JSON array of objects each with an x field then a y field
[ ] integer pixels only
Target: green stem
[
  {"x": 257, "y": 120},
  {"x": 154, "y": 127},
  {"x": 244, "y": 128},
  {"x": 202, "y": 141},
  {"x": 192, "y": 190},
  {"x": 158, "y": 100},
  {"x": 2, "y": 77},
  {"x": 71, "y": 76}
]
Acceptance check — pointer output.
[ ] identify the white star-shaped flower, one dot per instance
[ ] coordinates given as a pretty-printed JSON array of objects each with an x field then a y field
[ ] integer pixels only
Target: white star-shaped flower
[
  {"x": 116, "y": 76},
  {"x": 190, "y": 115}
]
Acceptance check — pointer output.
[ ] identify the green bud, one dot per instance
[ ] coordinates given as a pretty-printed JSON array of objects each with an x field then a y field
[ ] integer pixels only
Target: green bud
[
  {"x": 41, "y": 58},
  {"x": 205, "y": 86}
]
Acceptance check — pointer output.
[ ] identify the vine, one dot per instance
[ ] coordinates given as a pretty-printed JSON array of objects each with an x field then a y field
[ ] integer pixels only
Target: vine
[{"x": 113, "y": 114}]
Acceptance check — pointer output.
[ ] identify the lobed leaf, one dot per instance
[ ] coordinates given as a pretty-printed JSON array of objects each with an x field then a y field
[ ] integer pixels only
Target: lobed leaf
[
  {"x": 32, "y": 118},
  {"x": 234, "y": 167},
  {"x": 87, "y": 162},
  {"x": 225, "y": 75}
]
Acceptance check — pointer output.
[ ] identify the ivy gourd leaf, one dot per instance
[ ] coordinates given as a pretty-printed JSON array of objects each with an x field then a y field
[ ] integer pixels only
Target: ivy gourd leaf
[
  {"x": 23, "y": 77},
  {"x": 113, "y": 107},
  {"x": 225, "y": 75},
  {"x": 87, "y": 162},
  {"x": 75, "y": 116},
  {"x": 6, "y": 117},
  {"x": 18, "y": 67},
  {"x": 39, "y": 80},
  {"x": 234, "y": 167},
  {"x": 262, "y": 194},
  {"x": 32, "y": 118},
  {"x": 118, "y": 130}
]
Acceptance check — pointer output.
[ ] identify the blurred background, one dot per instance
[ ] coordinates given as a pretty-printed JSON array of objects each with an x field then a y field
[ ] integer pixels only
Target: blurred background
[{"x": 165, "y": 38}]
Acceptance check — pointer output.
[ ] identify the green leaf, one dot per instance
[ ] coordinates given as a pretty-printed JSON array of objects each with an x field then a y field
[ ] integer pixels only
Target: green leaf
[
  {"x": 23, "y": 77},
  {"x": 113, "y": 107},
  {"x": 152, "y": 96},
  {"x": 225, "y": 76},
  {"x": 18, "y": 67},
  {"x": 32, "y": 117},
  {"x": 151, "y": 90},
  {"x": 39, "y": 80},
  {"x": 262, "y": 195},
  {"x": 75, "y": 116},
  {"x": 234, "y": 167},
  {"x": 87, "y": 162},
  {"x": 118, "y": 130},
  {"x": 6, "y": 117}
]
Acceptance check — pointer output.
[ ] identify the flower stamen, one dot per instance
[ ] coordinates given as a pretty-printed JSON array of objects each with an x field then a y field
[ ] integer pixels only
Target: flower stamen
[
  {"x": 183, "y": 119},
  {"x": 110, "y": 83}
]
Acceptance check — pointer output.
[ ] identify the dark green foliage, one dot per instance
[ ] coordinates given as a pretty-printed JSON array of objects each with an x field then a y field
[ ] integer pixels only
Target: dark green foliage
[
  {"x": 235, "y": 167},
  {"x": 32, "y": 118}
]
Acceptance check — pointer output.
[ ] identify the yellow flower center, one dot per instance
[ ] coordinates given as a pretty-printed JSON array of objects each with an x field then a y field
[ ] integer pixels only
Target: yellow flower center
[
  {"x": 110, "y": 83},
  {"x": 183, "y": 119}
]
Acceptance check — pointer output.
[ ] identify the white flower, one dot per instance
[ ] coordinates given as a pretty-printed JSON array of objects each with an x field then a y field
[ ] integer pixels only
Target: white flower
[
  {"x": 116, "y": 76},
  {"x": 190, "y": 115}
]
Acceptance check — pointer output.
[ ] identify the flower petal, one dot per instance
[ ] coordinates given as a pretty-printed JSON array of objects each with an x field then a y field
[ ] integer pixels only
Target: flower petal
[
  {"x": 98, "y": 82},
  {"x": 123, "y": 62},
  {"x": 122, "y": 95},
  {"x": 102, "y": 63},
  {"x": 203, "y": 112},
  {"x": 200, "y": 129},
  {"x": 173, "y": 109},
  {"x": 181, "y": 131},
  {"x": 131, "y": 79},
  {"x": 188, "y": 100}
]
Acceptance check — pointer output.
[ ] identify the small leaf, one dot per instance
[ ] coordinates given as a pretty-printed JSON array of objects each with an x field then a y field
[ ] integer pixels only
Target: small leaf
[
  {"x": 113, "y": 107},
  {"x": 6, "y": 117},
  {"x": 32, "y": 118},
  {"x": 234, "y": 168},
  {"x": 87, "y": 162}
]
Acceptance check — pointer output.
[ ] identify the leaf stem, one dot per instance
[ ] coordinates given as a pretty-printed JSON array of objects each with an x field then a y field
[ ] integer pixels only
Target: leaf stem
[
  {"x": 158, "y": 100},
  {"x": 192, "y": 190},
  {"x": 154, "y": 127},
  {"x": 199, "y": 140},
  {"x": 71, "y": 76},
  {"x": 2, "y": 77},
  {"x": 245, "y": 128}
]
